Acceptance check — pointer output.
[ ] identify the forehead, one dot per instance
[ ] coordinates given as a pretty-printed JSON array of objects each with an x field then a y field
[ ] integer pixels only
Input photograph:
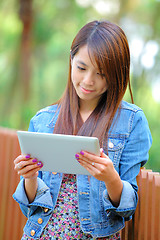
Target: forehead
[{"x": 86, "y": 57}]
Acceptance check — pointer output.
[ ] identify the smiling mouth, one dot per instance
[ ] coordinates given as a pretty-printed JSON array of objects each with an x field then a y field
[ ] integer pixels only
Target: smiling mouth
[{"x": 86, "y": 90}]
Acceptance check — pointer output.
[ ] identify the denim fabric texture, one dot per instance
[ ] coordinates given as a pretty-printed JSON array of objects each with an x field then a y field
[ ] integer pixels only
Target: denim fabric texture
[{"x": 129, "y": 141}]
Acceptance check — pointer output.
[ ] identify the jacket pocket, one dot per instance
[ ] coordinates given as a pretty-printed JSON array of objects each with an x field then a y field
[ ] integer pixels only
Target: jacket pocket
[{"x": 115, "y": 147}]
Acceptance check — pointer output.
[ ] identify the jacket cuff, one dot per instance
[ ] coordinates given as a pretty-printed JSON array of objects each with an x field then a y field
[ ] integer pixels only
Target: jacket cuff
[
  {"x": 128, "y": 201},
  {"x": 43, "y": 197}
]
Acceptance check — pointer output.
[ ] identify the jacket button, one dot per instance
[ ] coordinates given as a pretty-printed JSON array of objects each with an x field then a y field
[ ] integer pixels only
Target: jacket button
[
  {"x": 32, "y": 233},
  {"x": 45, "y": 210},
  {"x": 40, "y": 220},
  {"x": 111, "y": 145}
]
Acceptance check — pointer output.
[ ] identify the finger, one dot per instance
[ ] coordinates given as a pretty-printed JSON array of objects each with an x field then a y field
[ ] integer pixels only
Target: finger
[
  {"x": 81, "y": 158},
  {"x": 92, "y": 169},
  {"x": 85, "y": 156},
  {"x": 22, "y": 157},
  {"x": 31, "y": 174},
  {"x": 97, "y": 170},
  {"x": 23, "y": 163},
  {"x": 91, "y": 164},
  {"x": 18, "y": 159},
  {"x": 18, "y": 165},
  {"x": 29, "y": 168},
  {"x": 84, "y": 160},
  {"x": 103, "y": 155},
  {"x": 101, "y": 152}
]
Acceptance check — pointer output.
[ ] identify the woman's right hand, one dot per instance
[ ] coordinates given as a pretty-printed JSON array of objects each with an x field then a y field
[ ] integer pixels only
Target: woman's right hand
[{"x": 27, "y": 167}]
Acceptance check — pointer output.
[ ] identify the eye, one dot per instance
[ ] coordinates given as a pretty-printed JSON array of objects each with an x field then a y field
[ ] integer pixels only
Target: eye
[
  {"x": 101, "y": 75},
  {"x": 81, "y": 68}
]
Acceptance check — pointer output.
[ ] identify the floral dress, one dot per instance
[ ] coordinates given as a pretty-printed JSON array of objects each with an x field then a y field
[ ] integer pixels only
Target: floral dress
[{"x": 64, "y": 222}]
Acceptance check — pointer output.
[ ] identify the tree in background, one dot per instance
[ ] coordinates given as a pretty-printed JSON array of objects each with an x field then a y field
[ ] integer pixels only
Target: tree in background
[{"x": 25, "y": 15}]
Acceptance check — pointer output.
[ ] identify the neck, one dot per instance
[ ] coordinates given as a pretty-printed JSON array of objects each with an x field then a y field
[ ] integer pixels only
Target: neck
[
  {"x": 86, "y": 109},
  {"x": 86, "y": 106}
]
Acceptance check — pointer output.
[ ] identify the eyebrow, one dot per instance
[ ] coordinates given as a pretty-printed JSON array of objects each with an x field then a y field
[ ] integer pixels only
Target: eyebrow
[
  {"x": 78, "y": 61},
  {"x": 84, "y": 64}
]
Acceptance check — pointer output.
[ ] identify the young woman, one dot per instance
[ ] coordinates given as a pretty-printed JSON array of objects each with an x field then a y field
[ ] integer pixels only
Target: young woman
[{"x": 65, "y": 206}]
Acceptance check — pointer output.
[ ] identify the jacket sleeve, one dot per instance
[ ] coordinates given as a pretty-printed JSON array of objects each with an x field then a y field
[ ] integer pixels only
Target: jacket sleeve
[
  {"x": 42, "y": 199},
  {"x": 134, "y": 155}
]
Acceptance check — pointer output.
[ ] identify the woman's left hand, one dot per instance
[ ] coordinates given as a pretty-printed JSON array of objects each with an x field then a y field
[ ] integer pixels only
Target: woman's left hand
[{"x": 101, "y": 167}]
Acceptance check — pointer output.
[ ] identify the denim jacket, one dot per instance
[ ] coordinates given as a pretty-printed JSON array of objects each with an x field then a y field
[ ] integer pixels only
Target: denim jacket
[{"x": 128, "y": 144}]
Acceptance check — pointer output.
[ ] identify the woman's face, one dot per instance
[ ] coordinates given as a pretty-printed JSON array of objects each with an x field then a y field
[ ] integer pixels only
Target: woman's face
[{"x": 87, "y": 80}]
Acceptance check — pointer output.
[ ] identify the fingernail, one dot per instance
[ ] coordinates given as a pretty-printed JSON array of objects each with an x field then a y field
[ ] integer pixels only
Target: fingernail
[
  {"x": 76, "y": 156},
  {"x": 101, "y": 149},
  {"x": 40, "y": 164},
  {"x": 27, "y": 156},
  {"x": 81, "y": 152},
  {"x": 34, "y": 160}
]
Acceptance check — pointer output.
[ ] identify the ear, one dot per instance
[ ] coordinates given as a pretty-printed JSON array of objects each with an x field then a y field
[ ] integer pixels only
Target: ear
[{"x": 71, "y": 62}]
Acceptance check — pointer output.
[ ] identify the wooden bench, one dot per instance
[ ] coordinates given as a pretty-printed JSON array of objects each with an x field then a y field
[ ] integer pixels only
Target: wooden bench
[{"x": 145, "y": 224}]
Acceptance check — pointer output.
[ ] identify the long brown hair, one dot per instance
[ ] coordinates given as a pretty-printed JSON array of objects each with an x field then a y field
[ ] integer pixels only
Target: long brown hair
[{"x": 108, "y": 46}]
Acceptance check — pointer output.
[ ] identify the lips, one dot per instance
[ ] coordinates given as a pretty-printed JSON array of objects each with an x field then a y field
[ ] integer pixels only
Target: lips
[{"x": 86, "y": 90}]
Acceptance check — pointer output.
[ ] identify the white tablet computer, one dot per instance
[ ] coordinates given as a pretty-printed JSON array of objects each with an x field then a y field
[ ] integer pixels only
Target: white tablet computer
[{"x": 57, "y": 151}]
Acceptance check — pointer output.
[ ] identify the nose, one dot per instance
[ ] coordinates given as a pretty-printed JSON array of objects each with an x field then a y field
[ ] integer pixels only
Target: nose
[{"x": 88, "y": 79}]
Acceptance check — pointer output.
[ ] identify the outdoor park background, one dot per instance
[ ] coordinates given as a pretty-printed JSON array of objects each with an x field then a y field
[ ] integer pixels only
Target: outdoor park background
[{"x": 35, "y": 39}]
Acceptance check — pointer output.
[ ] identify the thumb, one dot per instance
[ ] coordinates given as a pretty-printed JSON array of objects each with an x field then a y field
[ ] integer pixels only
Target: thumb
[{"x": 102, "y": 154}]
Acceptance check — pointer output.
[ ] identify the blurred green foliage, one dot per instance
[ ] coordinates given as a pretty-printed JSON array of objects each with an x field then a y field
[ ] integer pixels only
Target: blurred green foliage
[{"x": 55, "y": 23}]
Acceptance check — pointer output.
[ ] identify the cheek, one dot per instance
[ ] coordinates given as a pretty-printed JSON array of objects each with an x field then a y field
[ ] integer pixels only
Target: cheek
[
  {"x": 74, "y": 77},
  {"x": 104, "y": 87},
  {"x": 73, "y": 80}
]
